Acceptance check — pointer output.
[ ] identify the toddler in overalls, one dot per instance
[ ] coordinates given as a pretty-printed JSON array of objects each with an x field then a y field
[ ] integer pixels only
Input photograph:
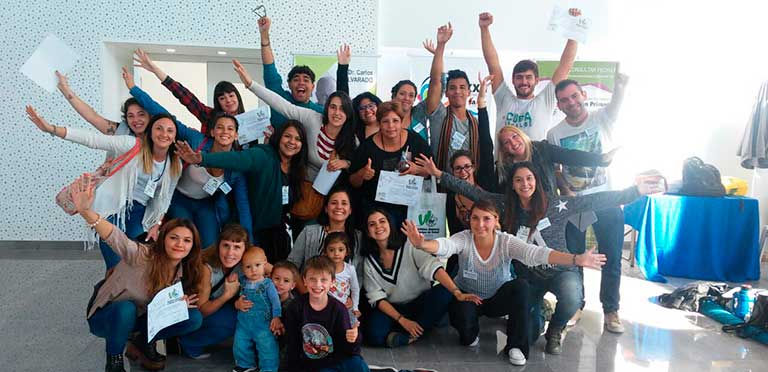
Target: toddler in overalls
[{"x": 258, "y": 325}]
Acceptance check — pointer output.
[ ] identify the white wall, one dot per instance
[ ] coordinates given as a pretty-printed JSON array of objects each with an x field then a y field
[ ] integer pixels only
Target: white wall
[
  {"x": 695, "y": 67},
  {"x": 36, "y": 166}
]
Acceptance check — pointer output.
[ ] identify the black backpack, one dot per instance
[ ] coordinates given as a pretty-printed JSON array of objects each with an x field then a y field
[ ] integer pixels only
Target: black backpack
[{"x": 701, "y": 179}]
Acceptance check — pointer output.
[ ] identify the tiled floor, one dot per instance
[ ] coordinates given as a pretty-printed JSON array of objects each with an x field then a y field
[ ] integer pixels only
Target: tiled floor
[{"x": 43, "y": 329}]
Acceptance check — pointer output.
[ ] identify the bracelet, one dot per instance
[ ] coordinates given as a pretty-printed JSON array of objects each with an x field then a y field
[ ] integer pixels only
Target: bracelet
[
  {"x": 573, "y": 261},
  {"x": 53, "y": 132},
  {"x": 93, "y": 225},
  {"x": 398, "y": 318},
  {"x": 265, "y": 45}
]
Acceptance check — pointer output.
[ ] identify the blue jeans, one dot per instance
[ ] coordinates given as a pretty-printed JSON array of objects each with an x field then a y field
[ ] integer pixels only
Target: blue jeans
[
  {"x": 200, "y": 211},
  {"x": 427, "y": 310},
  {"x": 354, "y": 363},
  {"x": 216, "y": 328},
  {"x": 567, "y": 287},
  {"x": 117, "y": 320},
  {"x": 609, "y": 232},
  {"x": 133, "y": 228}
]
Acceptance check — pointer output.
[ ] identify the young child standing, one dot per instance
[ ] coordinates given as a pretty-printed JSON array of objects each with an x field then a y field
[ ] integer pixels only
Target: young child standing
[
  {"x": 318, "y": 330},
  {"x": 257, "y": 325},
  {"x": 284, "y": 275},
  {"x": 345, "y": 287}
]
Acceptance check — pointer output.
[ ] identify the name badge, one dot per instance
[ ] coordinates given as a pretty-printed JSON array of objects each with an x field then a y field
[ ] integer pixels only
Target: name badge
[
  {"x": 149, "y": 190},
  {"x": 418, "y": 128},
  {"x": 225, "y": 188},
  {"x": 470, "y": 275},
  {"x": 457, "y": 140},
  {"x": 522, "y": 233},
  {"x": 211, "y": 186},
  {"x": 543, "y": 224},
  {"x": 285, "y": 195}
]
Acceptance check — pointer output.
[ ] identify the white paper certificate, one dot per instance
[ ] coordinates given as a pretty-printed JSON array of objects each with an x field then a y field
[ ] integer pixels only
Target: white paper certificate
[
  {"x": 571, "y": 27},
  {"x": 51, "y": 55},
  {"x": 325, "y": 179},
  {"x": 252, "y": 124},
  {"x": 396, "y": 189},
  {"x": 166, "y": 309}
]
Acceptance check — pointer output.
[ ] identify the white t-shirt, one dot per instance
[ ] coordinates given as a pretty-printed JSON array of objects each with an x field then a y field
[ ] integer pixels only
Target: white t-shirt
[
  {"x": 142, "y": 179},
  {"x": 533, "y": 116},
  {"x": 593, "y": 135},
  {"x": 193, "y": 178}
]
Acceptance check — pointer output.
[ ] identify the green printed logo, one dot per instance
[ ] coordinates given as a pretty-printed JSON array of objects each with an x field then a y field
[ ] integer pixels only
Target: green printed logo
[{"x": 427, "y": 219}]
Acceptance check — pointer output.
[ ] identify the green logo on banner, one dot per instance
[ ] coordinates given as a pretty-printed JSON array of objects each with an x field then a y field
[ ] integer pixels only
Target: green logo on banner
[{"x": 427, "y": 219}]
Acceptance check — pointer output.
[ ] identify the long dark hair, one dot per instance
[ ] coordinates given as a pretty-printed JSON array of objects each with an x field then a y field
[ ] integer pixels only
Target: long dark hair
[
  {"x": 226, "y": 87},
  {"x": 349, "y": 224},
  {"x": 158, "y": 275},
  {"x": 345, "y": 140},
  {"x": 359, "y": 125},
  {"x": 394, "y": 242},
  {"x": 298, "y": 167},
  {"x": 538, "y": 204}
]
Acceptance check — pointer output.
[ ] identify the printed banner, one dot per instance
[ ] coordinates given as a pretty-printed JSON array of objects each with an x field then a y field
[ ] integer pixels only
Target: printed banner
[
  {"x": 596, "y": 78},
  {"x": 362, "y": 74}
]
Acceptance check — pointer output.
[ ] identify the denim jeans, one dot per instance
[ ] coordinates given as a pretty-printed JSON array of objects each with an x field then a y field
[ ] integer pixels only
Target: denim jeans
[
  {"x": 609, "y": 232},
  {"x": 115, "y": 322},
  {"x": 200, "y": 211},
  {"x": 354, "y": 363},
  {"x": 510, "y": 299},
  {"x": 568, "y": 289},
  {"x": 133, "y": 228},
  {"x": 216, "y": 328},
  {"x": 427, "y": 310}
]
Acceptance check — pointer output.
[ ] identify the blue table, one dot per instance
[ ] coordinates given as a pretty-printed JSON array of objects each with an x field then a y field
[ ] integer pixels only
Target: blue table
[{"x": 694, "y": 237}]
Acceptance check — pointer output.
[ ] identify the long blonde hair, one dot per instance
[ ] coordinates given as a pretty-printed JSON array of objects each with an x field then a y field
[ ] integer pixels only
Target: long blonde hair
[
  {"x": 504, "y": 160},
  {"x": 148, "y": 144}
]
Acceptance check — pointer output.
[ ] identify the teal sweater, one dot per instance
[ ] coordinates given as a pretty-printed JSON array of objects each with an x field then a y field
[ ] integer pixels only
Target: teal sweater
[{"x": 261, "y": 166}]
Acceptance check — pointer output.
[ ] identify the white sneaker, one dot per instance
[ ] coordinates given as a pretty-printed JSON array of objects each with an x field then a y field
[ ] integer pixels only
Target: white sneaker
[
  {"x": 516, "y": 357},
  {"x": 613, "y": 323},
  {"x": 475, "y": 342}
]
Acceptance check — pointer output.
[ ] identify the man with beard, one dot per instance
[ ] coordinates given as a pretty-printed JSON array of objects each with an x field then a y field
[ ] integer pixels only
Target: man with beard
[
  {"x": 582, "y": 130},
  {"x": 529, "y": 112}
]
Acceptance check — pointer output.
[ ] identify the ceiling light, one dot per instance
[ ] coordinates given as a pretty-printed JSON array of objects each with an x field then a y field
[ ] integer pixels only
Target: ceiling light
[
  {"x": 170, "y": 50},
  {"x": 222, "y": 53}
]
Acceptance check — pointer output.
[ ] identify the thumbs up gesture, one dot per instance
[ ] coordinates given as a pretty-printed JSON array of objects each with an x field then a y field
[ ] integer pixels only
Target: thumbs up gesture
[{"x": 368, "y": 171}]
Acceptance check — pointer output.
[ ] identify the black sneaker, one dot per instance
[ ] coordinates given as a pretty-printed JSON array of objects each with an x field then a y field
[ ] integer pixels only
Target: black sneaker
[
  {"x": 115, "y": 363},
  {"x": 243, "y": 369},
  {"x": 554, "y": 338}
]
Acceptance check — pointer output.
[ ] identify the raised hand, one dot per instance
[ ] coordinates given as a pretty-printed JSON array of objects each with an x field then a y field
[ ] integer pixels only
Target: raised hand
[
  {"x": 128, "y": 78},
  {"x": 444, "y": 33},
  {"x": 410, "y": 230},
  {"x": 368, "y": 171},
  {"x": 185, "y": 152},
  {"x": 81, "y": 192},
  {"x": 41, "y": 123},
  {"x": 429, "y": 45},
  {"x": 591, "y": 259},
  {"x": 63, "y": 84},
  {"x": 485, "y": 19},
  {"x": 574, "y": 12},
  {"x": 344, "y": 54},
  {"x": 264, "y": 24},
  {"x": 245, "y": 77},
  {"x": 484, "y": 83},
  {"x": 428, "y": 165}
]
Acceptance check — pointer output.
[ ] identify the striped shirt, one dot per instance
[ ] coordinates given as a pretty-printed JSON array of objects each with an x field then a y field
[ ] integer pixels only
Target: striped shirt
[{"x": 324, "y": 144}]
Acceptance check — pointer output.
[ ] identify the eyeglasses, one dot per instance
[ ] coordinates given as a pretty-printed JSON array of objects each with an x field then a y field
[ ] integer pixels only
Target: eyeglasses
[
  {"x": 465, "y": 167},
  {"x": 369, "y": 106}
]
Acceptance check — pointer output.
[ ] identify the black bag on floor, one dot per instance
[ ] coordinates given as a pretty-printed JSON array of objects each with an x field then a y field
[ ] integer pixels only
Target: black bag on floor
[{"x": 701, "y": 179}]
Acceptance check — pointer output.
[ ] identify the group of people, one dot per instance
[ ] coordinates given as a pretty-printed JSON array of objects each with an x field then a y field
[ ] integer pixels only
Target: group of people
[{"x": 270, "y": 262}]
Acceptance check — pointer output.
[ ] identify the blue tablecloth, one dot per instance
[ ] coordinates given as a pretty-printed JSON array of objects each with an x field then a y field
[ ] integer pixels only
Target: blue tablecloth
[{"x": 694, "y": 237}]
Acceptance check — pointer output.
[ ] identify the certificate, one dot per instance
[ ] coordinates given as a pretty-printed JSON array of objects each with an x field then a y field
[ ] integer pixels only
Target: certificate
[
  {"x": 51, "y": 55},
  {"x": 571, "y": 27},
  {"x": 396, "y": 189},
  {"x": 252, "y": 124},
  {"x": 166, "y": 309},
  {"x": 325, "y": 179}
]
